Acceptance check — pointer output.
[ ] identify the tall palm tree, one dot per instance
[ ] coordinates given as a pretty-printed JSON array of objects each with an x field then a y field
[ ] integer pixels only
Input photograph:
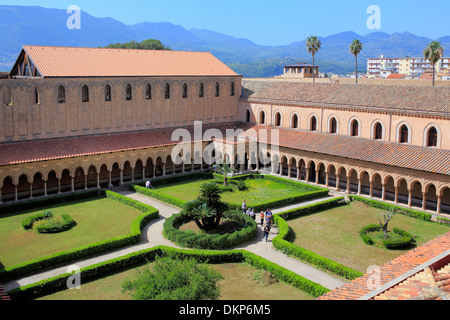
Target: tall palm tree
[
  {"x": 356, "y": 48},
  {"x": 313, "y": 45},
  {"x": 433, "y": 52}
]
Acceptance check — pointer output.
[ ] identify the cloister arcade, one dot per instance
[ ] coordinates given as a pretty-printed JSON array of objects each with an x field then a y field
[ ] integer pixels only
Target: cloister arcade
[{"x": 59, "y": 176}]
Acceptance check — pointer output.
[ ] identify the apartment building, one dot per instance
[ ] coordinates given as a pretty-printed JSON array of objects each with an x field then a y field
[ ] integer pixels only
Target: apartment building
[{"x": 409, "y": 66}]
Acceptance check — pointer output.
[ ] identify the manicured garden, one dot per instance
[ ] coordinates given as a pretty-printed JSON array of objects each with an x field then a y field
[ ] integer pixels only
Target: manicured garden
[
  {"x": 241, "y": 282},
  {"x": 334, "y": 234}
]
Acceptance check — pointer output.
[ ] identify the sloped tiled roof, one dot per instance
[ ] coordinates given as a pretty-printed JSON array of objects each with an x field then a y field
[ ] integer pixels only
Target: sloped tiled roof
[
  {"x": 392, "y": 154},
  {"x": 381, "y": 152},
  {"x": 422, "y": 273},
  {"x": 384, "y": 97},
  {"x": 105, "y": 62}
]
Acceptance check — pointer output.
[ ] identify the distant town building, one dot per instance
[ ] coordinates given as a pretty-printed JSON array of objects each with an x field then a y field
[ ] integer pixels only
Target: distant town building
[
  {"x": 409, "y": 66},
  {"x": 301, "y": 70}
]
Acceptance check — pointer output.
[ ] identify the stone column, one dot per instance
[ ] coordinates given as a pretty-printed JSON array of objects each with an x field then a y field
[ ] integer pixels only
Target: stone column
[
  {"x": 16, "y": 196},
  {"x": 396, "y": 195},
  {"x": 72, "y": 184},
  {"x": 98, "y": 180},
  {"x": 439, "y": 203},
  {"x": 359, "y": 187},
  {"x": 31, "y": 191},
  {"x": 348, "y": 185},
  {"x": 289, "y": 171},
  {"x": 409, "y": 198},
  {"x": 1, "y": 198},
  {"x": 327, "y": 179},
  {"x": 85, "y": 182},
  {"x": 45, "y": 188},
  {"x": 59, "y": 186},
  {"x": 337, "y": 183},
  {"x": 110, "y": 185},
  {"x": 371, "y": 189},
  {"x": 132, "y": 174},
  {"x": 424, "y": 201},
  {"x": 383, "y": 192},
  {"x": 121, "y": 177}
]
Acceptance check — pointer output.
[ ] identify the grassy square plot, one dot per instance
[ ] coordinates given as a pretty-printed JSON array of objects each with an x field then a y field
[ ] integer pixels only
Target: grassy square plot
[
  {"x": 334, "y": 234},
  {"x": 98, "y": 219}
]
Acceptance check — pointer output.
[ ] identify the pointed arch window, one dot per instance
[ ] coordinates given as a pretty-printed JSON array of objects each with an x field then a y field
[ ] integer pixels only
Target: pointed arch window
[
  {"x": 201, "y": 90},
  {"x": 61, "y": 94},
  {"x": 354, "y": 129},
  {"x": 404, "y": 134},
  {"x": 432, "y": 137},
  {"x": 185, "y": 91},
  {"x": 148, "y": 92},
  {"x": 36, "y": 96},
  {"x": 108, "y": 93},
  {"x": 167, "y": 91},
  {"x": 129, "y": 92},
  {"x": 333, "y": 125},
  {"x": 378, "y": 131},
  {"x": 217, "y": 89},
  {"x": 232, "y": 89},
  {"x": 85, "y": 94},
  {"x": 313, "y": 124},
  {"x": 7, "y": 96}
]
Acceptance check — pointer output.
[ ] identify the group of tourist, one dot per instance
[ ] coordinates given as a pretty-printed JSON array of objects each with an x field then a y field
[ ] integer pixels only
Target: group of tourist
[{"x": 265, "y": 217}]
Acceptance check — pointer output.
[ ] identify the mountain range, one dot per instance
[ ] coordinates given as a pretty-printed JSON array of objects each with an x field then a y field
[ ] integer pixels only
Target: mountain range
[{"x": 33, "y": 25}]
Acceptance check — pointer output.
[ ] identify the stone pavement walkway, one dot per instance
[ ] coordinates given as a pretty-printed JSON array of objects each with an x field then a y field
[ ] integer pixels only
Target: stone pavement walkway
[{"x": 152, "y": 236}]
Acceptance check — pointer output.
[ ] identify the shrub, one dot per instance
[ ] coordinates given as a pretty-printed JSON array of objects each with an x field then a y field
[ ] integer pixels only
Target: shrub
[
  {"x": 403, "y": 240},
  {"x": 27, "y": 223},
  {"x": 56, "y": 226}
]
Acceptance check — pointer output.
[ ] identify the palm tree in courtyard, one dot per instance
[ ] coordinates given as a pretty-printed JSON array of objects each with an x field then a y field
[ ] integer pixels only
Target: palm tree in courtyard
[
  {"x": 313, "y": 45},
  {"x": 225, "y": 169},
  {"x": 356, "y": 48},
  {"x": 433, "y": 52}
]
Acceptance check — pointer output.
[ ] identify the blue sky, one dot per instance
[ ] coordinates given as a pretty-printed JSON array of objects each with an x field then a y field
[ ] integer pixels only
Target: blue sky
[{"x": 272, "y": 22}]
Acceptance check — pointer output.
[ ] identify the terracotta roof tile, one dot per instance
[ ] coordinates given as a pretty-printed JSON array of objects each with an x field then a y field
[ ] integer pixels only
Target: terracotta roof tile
[
  {"x": 105, "y": 62},
  {"x": 388, "y": 97},
  {"x": 413, "y": 275},
  {"x": 392, "y": 154}
]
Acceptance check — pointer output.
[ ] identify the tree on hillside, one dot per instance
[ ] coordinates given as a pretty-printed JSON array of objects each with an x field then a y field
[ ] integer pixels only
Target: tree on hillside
[
  {"x": 434, "y": 52},
  {"x": 313, "y": 45},
  {"x": 356, "y": 48},
  {"x": 150, "y": 44}
]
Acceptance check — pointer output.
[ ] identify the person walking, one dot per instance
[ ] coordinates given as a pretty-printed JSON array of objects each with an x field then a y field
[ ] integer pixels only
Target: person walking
[
  {"x": 262, "y": 216},
  {"x": 266, "y": 233},
  {"x": 253, "y": 214},
  {"x": 244, "y": 207}
]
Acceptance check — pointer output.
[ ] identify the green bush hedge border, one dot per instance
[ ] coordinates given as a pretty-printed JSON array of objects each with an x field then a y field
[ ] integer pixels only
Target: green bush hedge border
[
  {"x": 280, "y": 242},
  {"x": 133, "y": 260},
  {"x": 67, "y": 224},
  {"x": 58, "y": 259},
  {"x": 314, "y": 192},
  {"x": 190, "y": 239},
  {"x": 405, "y": 241}
]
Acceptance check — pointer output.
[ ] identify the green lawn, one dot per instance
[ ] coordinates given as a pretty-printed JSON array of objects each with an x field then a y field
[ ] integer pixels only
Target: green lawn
[
  {"x": 334, "y": 234},
  {"x": 241, "y": 282},
  {"x": 97, "y": 219},
  {"x": 259, "y": 191}
]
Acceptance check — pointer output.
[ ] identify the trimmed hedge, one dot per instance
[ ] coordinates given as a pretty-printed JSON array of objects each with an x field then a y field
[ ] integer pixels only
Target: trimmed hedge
[
  {"x": 443, "y": 220},
  {"x": 315, "y": 259},
  {"x": 386, "y": 206},
  {"x": 190, "y": 239},
  {"x": 400, "y": 243},
  {"x": 66, "y": 224},
  {"x": 55, "y": 260},
  {"x": 100, "y": 270},
  {"x": 27, "y": 223},
  {"x": 314, "y": 192}
]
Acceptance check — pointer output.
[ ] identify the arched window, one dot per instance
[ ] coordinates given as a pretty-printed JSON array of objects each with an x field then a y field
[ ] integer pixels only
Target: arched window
[
  {"x": 294, "y": 121},
  {"x": 217, "y": 89},
  {"x": 313, "y": 123},
  {"x": 128, "y": 92},
  {"x": 262, "y": 117},
  {"x": 36, "y": 97},
  {"x": 333, "y": 125},
  {"x": 7, "y": 96},
  {"x": 148, "y": 91},
  {"x": 248, "y": 116},
  {"x": 432, "y": 137},
  {"x": 108, "y": 93},
  {"x": 354, "y": 128},
  {"x": 277, "y": 119},
  {"x": 201, "y": 90},
  {"x": 232, "y": 89},
  {"x": 61, "y": 94},
  {"x": 185, "y": 91},
  {"x": 167, "y": 91},
  {"x": 85, "y": 94},
  {"x": 378, "y": 131},
  {"x": 404, "y": 134}
]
